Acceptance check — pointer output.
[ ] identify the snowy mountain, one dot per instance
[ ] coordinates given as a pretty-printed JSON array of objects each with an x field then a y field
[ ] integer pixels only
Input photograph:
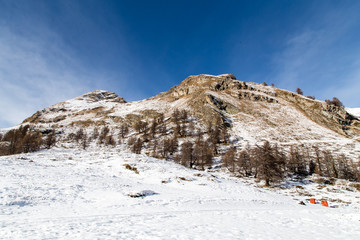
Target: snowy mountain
[
  {"x": 98, "y": 167},
  {"x": 253, "y": 111}
]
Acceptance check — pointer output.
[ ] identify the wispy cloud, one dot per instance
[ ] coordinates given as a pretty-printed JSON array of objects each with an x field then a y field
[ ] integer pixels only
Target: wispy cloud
[
  {"x": 323, "y": 57},
  {"x": 35, "y": 72}
]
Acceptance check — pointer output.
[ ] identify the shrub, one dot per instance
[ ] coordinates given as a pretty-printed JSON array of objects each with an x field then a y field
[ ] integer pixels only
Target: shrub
[
  {"x": 335, "y": 101},
  {"x": 129, "y": 167},
  {"x": 299, "y": 91}
]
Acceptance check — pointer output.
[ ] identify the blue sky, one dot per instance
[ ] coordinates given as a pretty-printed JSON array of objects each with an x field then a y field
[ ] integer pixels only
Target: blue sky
[{"x": 51, "y": 51}]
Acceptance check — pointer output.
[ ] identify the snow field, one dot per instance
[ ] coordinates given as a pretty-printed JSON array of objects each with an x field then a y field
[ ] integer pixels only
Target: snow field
[{"x": 73, "y": 194}]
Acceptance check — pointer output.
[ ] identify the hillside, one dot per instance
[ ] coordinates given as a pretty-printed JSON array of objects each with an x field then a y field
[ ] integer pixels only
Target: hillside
[
  {"x": 253, "y": 112},
  {"x": 213, "y": 157}
]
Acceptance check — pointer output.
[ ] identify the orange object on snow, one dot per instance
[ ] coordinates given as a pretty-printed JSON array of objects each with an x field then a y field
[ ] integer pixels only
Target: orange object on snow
[
  {"x": 312, "y": 200},
  {"x": 324, "y": 203}
]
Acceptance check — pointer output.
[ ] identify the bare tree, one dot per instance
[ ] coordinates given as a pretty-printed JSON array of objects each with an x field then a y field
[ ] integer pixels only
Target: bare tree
[
  {"x": 50, "y": 140},
  {"x": 103, "y": 134},
  {"x": 136, "y": 145},
  {"x": 154, "y": 146},
  {"x": 335, "y": 101},
  {"x": 153, "y": 128},
  {"x": 345, "y": 170},
  {"x": 224, "y": 135},
  {"x": 187, "y": 158},
  {"x": 141, "y": 126},
  {"x": 244, "y": 162},
  {"x": 31, "y": 142},
  {"x": 318, "y": 160},
  {"x": 271, "y": 163},
  {"x": 95, "y": 133},
  {"x": 109, "y": 140},
  {"x": 131, "y": 141},
  {"x": 296, "y": 163},
  {"x": 84, "y": 141},
  {"x": 299, "y": 91},
  {"x": 228, "y": 159},
  {"x": 168, "y": 147},
  {"x": 329, "y": 163},
  {"x": 176, "y": 116},
  {"x": 162, "y": 124},
  {"x": 202, "y": 154},
  {"x": 183, "y": 116},
  {"x": 124, "y": 130},
  {"x": 79, "y": 135},
  {"x": 191, "y": 128}
]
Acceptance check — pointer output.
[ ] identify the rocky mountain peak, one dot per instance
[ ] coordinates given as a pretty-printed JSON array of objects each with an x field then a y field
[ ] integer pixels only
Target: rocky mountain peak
[
  {"x": 200, "y": 83},
  {"x": 101, "y": 95}
]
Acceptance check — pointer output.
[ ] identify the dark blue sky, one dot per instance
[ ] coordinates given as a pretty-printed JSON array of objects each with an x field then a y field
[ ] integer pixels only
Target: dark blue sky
[{"x": 54, "y": 50}]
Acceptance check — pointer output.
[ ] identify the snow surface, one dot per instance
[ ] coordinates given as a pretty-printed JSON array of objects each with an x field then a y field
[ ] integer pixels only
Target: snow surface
[
  {"x": 353, "y": 111},
  {"x": 73, "y": 194}
]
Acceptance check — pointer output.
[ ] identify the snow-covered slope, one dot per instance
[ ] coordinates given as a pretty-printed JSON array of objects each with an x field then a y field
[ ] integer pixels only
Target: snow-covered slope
[
  {"x": 354, "y": 111},
  {"x": 73, "y": 194},
  {"x": 255, "y": 113}
]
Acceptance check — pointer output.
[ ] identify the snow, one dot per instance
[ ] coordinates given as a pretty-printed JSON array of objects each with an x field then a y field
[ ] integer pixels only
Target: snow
[
  {"x": 353, "y": 111},
  {"x": 75, "y": 194}
]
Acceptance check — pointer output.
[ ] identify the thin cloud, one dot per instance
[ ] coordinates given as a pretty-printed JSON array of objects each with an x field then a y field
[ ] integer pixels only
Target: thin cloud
[
  {"x": 322, "y": 59},
  {"x": 35, "y": 73}
]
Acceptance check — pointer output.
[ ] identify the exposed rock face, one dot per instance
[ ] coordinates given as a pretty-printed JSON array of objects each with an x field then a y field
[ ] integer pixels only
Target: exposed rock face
[
  {"x": 195, "y": 84},
  {"x": 253, "y": 112},
  {"x": 226, "y": 96},
  {"x": 88, "y": 103},
  {"x": 99, "y": 95}
]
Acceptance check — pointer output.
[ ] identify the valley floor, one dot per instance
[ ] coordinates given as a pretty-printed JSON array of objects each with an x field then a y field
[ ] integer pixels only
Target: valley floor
[{"x": 73, "y": 194}]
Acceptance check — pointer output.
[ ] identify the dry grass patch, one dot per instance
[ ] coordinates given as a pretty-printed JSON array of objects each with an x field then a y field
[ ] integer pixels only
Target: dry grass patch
[{"x": 129, "y": 167}]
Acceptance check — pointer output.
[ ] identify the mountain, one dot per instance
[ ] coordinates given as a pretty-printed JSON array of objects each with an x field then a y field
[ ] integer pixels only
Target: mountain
[
  {"x": 109, "y": 168},
  {"x": 251, "y": 111}
]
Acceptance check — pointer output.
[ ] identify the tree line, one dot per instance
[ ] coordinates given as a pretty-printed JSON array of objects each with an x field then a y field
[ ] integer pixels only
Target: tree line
[
  {"x": 177, "y": 138},
  {"x": 25, "y": 139},
  {"x": 269, "y": 163}
]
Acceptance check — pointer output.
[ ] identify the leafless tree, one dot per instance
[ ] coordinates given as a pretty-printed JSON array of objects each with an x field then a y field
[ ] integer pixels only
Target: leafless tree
[
  {"x": 124, "y": 130},
  {"x": 95, "y": 133},
  {"x": 79, "y": 135},
  {"x": 335, "y": 101},
  {"x": 228, "y": 159},
  {"x": 84, "y": 141},
  {"x": 299, "y": 91},
  {"x": 244, "y": 162},
  {"x": 318, "y": 161},
  {"x": 109, "y": 140},
  {"x": 187, "y": 158},
  {"x": 153, "y": 128},
  {"x": 168, "y": 147},
  {"x": 330, "y": 165},
  {"x": 271, "y": 163},
  {"x": 202, "y": 154},
  {"x": 296, "y": 163},
  {"x": 136, "y": 145},
  {"x": 141, "y": 126},
  {"x": 103, "y": 134},
  {"x": 50, "y": 140}
]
